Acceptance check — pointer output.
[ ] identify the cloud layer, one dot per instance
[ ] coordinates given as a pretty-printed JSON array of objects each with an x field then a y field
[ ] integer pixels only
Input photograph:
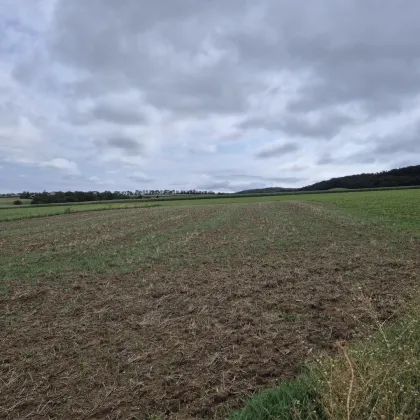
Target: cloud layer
[{"x": 219, "y": 95}]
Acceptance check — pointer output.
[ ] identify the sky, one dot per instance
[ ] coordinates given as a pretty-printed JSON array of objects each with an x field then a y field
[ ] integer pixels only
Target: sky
[{"x": 206, "y": 94}]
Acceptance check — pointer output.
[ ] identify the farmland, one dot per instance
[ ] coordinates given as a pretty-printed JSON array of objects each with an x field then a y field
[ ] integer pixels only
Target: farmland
[
  {"x": 29, "y": 212},
  {"x": 186, "y": 309},
  {"x": 395, "y": 206},
  {"x": 8, "y": 201}
]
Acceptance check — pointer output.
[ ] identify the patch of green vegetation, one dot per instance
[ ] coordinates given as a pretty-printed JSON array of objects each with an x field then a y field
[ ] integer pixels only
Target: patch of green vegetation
[
  {"x": 117, "y": 256},
  {"x": 289, "y": 401},
  {"x": 397, "y": 209},
  {"x": 288, "y": 317},
  {"x": 10, "y": 201},
  {"x": 382, "y": 206},
  {"x": 27, "y": 212},
  {"x": 259, "y": 229}
]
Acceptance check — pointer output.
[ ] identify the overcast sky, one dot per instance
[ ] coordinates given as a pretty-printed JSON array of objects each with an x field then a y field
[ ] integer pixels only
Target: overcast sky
[{"x": 208, "y": 94}]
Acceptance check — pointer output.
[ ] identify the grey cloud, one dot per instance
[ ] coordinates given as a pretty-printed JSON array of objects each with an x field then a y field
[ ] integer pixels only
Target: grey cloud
[
  {"x": 126, "y": 144},
  {"x": 294, "y": 69},
  {"x": 369, "y": 75},
  {"x": 72, "y": 177},
  {"x": 325, "y": 159},
  {"x": 392, "y": 146},
  {"x": 232, "y": 175},
  {"x": 216, "y": 91},
  {"x": 202, "y": 149},
  {"x": 386, "y": 146},
  {"x": 403, "y": 163},
  {"x": 277, "y": 150},
  {"x": 325, "y": 126},
  {"x": 363, "y": 63},
  {"x": 119, "y": 115},
  {"x": 381, "y": 149},
  {"x": 361, "y": 158},
  {"x": 248, "y": 182},
  {"x": 365, "y": 157},
  {"x": 9, "y": 114},
  {"x": 67, "y": 166},
  {"x": 288, "y": 179},
  {"x": 138, "y": 16},
  {"x": 184, "y": 62},
  {"x": 376, "y": 90},
  {"x": 294, "y": 168},
  {"x": 152, "y": 47},
  {"x": 140, "y": 177}
]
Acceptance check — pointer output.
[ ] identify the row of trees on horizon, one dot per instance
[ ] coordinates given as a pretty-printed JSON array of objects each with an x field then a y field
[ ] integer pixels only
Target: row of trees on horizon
[
  {"x": 402, "y": 177},
  {"x": 82, "y": 196}
]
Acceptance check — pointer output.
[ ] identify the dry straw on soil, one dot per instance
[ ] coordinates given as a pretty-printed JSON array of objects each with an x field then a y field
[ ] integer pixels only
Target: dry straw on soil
[{"x": 183, "y": 313}]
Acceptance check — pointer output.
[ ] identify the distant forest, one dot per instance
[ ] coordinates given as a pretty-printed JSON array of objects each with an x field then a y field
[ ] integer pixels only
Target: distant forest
[
  {"x": 403, "y": 177},
  {"x": 82, "y": 196}
]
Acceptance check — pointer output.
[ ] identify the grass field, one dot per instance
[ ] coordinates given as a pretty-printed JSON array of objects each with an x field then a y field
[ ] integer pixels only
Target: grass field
[
  {"x": 398, "y": 207},
  {"x": 183, "y": 311},
  {"x": 28, "y": 212},
  {"x": 8, "y": 201}
]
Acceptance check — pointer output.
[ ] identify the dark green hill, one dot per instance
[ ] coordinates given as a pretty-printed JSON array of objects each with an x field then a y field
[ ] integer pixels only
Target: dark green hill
[
  {"x": 270, "y": 190},
  {"x": 402, "y": 177}
]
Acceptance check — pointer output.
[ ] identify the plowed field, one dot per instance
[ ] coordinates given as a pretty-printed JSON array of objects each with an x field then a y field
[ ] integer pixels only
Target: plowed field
[{"x": 183, "y": 312}]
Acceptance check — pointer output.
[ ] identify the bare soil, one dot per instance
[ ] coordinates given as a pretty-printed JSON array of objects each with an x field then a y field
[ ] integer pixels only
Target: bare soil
[{"x": 182, "y": 313}]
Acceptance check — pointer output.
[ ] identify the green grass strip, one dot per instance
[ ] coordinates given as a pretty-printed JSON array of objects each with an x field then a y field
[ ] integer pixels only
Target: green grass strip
[{"x": 289, "y": 401}]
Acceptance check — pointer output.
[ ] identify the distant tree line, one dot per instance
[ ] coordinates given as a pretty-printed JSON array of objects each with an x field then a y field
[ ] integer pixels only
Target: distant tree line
[
  {"x": 268, "y": 190},
  {"x": 73, "y": 196},
  {"x": 9, "y": 195},
  {"x": 83, "y": 196},
  {"x": 403, "y": 177},
  {"x": 172, "y": 192}
]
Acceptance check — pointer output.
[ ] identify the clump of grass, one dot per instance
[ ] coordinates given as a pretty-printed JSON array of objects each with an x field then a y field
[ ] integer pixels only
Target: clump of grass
[
  {"x": 378, "y": 378},
  {"x": 291, "y": 400},
  {"x": 288, "y": 317}
]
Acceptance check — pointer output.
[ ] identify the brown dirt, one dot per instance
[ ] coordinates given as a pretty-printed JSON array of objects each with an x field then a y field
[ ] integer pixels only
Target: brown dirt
[{"x": 237, "y": 299}]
